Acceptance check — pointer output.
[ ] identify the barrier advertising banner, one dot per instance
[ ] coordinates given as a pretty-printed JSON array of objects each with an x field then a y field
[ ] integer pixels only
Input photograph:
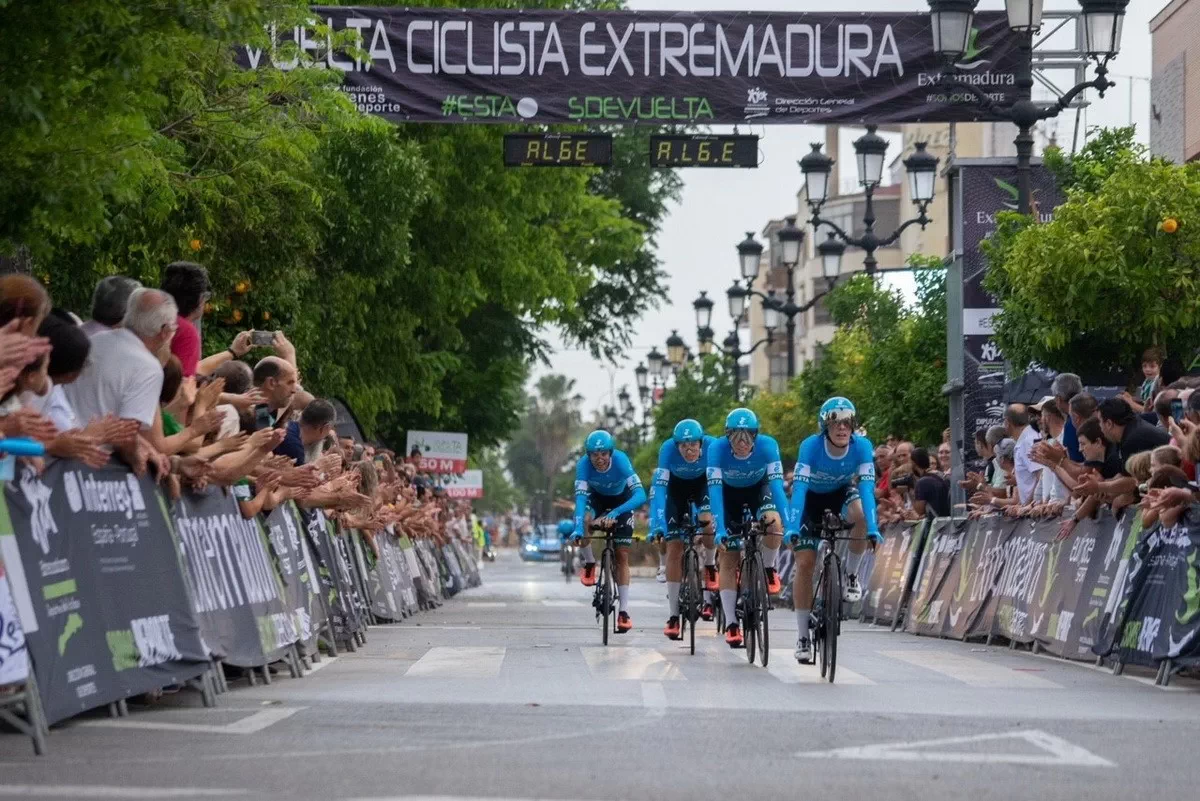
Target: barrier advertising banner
[
  {"x": 390, "y": 588},
  {"x": 236, "y": 589},
  {"x": 1160, "y": 610},
  {"x": 885, "y": 587},
  {"x": 301, "y": 588},
  {"x": 437, "y": 451},
  {"x": 110, "y": 613},
  {"x": 333, "y": 571},
  {"x": 649, "y": 67},
  {"x": 14, "y": 659}
]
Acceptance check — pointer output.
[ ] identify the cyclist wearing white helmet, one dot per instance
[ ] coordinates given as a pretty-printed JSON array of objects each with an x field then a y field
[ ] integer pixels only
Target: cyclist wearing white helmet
[
  {"x": 679, "y": 485},
  {"x": 608, "y": 489},
  {"x": 829, "y": 465},
  {"x": 745, "y": 472}
]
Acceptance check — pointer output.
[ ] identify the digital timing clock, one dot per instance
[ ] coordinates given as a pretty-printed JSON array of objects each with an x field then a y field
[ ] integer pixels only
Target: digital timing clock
[
  {"x": 703, "y": 150},
  {"x": 557, "y": 150}
]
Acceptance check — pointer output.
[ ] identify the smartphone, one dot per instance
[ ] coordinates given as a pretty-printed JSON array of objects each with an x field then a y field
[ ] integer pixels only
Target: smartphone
[
  {"x": 262, "y": 338},
  {"x": 1177, "y": 410},
  {"x": 262, "y": 417}
]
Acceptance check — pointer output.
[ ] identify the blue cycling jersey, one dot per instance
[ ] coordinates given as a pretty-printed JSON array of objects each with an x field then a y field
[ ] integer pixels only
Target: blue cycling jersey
[
  {"x": 820, "y": 471},
  {"x": 672, "y": 463},
  {"x": 726, "y": 469},
  {"x": 619, "y": 478}
]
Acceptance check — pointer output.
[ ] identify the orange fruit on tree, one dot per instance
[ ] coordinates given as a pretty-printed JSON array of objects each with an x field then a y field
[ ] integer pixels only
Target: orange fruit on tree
[
  {"x": 194, "y": 244},
  {"x": 1170, "y": 225}
]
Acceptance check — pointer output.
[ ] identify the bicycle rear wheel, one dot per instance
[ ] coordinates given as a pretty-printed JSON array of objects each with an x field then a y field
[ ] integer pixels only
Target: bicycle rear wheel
[
  {"x": 607, "y": 593},
  {"x": 832, "y": 599},
  {"x": 761, "y": 601}
]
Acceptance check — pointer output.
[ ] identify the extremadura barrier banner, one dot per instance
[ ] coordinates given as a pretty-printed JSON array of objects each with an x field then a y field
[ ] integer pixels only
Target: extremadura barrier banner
[
  {"x": 301, "y": 588},
  {"x": 889, "y": 574},
  {"x": 107, "y": 614},
  {"x": 233, "y": 580},
  {"x": 651, "y": 67}
]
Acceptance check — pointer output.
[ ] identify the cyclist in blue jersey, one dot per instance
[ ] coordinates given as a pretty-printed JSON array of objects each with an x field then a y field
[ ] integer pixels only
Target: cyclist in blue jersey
[
  {"x": 607, "y": 490},
  {"x": 745, "y": 472},
  {"x": 829, "y": 466},
  {"x": 679, "y": 484}
]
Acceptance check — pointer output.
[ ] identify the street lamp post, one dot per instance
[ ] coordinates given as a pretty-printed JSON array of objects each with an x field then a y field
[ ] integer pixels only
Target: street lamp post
[
  {"x": 642, "y": 374},
  {"x": 870, "y": 150},
  {"x": 952, "y": 21},
  {"x": 732, "y": 344}
]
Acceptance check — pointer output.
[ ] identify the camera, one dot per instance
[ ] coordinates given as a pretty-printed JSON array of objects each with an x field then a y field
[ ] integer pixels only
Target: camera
[
  {"x": 262, "y": 338},
  {"x": 262, "y": 417}
]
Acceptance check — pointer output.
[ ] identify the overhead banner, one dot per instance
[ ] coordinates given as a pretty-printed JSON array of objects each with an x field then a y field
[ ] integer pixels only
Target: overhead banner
[
  {"x": 232, "y": 578},
  {"x": 437, "y": 451},
  {"x": 100, "y": 577},
  {"x": 981, "y": 192},
  {"x": 653, "y": 67}
]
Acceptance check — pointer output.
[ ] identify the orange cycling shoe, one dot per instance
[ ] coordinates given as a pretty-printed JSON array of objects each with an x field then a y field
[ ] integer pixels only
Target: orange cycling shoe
[
  {"x": 710, "y": 578},
  {"x": 774, "y": 585},
  {"x": 587, "y": 575},
  {"x": 672, "y": 628},
  {"x": 624, "y": 624},
  {"x": 733, "y": 636}
]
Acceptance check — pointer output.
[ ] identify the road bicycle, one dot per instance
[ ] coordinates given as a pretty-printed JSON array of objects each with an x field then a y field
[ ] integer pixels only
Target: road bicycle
[
  {"x": 691, "y": 591},
  {"x": 827, "y": 596},
  {"x": 754, "y": 603},
  {"x": 604, "y": 599}
]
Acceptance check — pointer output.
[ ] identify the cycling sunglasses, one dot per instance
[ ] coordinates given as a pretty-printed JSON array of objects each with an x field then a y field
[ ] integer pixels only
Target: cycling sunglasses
[{"x": 840, "y": 416}]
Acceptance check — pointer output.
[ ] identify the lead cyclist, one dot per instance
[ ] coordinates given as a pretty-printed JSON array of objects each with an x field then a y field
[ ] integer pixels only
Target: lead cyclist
[{"x": 829, "y": 466}]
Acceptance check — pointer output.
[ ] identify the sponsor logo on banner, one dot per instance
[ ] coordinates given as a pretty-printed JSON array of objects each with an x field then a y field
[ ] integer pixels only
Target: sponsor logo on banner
[
  {"x": 41, "y": 519},
  {"x": 437, "y": 451}
]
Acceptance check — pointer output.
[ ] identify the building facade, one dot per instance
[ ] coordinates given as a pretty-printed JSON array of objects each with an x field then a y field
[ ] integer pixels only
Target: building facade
[{"x": 1175, "y": 82}]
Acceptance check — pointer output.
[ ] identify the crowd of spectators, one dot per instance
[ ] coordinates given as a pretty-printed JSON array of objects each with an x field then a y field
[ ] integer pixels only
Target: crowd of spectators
[{"x": 131, "y": 384}]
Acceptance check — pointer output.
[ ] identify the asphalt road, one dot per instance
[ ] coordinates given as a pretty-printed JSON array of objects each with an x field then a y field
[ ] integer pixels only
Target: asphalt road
[{"x": 506, "y": 693}]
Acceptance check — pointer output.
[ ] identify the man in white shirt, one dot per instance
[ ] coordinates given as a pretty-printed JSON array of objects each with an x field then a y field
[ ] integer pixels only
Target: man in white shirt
[
  {"x": 123, "y": 375},
  {"x": 1051, "y": 489},
  {"x": 1016, "y": 423}
]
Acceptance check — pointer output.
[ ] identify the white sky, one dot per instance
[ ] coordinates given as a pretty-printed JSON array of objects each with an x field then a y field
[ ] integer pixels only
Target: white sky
[{"x": 717, "y": 207}]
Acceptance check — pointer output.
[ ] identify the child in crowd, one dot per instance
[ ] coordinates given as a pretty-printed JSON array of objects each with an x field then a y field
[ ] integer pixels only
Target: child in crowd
[{"x": 1152, "y": 361}]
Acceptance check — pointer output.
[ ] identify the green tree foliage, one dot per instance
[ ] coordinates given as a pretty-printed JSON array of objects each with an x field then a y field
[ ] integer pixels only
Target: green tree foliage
[
  {"x": 539, "y": 454},
  {"x": 1090, "y": 290},
  {"x": 415, "y": 274},
  {"x": 889, "y": 359}
]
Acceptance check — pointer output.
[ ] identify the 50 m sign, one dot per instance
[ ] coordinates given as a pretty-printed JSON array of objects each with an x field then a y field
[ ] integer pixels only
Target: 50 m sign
[{"x": 437, "y": 451}]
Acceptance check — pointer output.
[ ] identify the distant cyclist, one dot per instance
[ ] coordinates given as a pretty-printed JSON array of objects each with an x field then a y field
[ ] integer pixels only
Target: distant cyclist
[
  {"x": 679, "y": 484},
  {"x": 829, "y": 466},
  {"x": 607, "y": 490},
  {"x": 745, "y": 472}
]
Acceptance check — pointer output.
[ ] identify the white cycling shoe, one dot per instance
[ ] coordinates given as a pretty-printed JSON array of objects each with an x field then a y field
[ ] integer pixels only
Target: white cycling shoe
[
  {"x": 804, "y": 651},
  {"x": 661, "y": 578},
  {"x": 852, "y": 592}
]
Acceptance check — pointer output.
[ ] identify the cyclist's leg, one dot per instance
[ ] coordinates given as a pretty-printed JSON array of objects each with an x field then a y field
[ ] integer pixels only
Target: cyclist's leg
[
  {"x": 677, "y": 506},
  {"x": 735, "y": 503},
  {"x": 622, "y": 540},
  {"x": 852, "y": 512}
]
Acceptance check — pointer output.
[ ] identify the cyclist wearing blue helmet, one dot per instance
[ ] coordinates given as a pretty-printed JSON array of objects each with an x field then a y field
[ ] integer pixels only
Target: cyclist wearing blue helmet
[
  {"x": 679, "y": 484},
  {"x": 608, "y": 490},
  {"x": 745, "y": 472},
  {"x": 829, "y": 466}
]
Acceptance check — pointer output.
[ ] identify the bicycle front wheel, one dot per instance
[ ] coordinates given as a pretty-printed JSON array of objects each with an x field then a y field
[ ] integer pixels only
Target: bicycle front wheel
[
  {"x": 691, "y": 596},
  {"x": 761, "y": 602},
  {"x": 608, "y": 592},
  {"x": 832, "y": 600},
  {"x": 749, "y": 607}
]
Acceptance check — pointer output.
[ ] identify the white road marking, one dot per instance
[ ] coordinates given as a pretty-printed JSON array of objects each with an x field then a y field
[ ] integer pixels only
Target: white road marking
[
  {"x": 487, "y": 604},
  {"x": 100, "y": 791},
  {"x": 638, "y": 664},
  {"x": 654, "y": 699},
  {"x": 783, "y": 666},
  {"x": 569, "y": 604},
  {"x": 247, "y": 725},
  {"x": 972, "y": 672},
  {"x": 459, "y": 662},
  {"x": 1055, "y": 751}
]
